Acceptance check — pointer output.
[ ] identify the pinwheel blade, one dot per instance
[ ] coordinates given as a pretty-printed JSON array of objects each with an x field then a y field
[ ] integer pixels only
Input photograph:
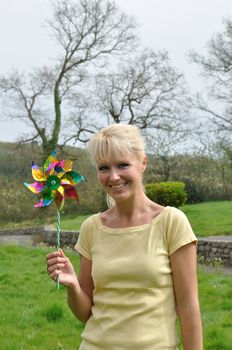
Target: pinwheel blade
[
  {"x": 59, "y": 200},
  {"x": 43, "y": 203},
  {"x": 46, "y": 199},
  {"x": 62, "y": 167},
  {"x": 73, "y": 177},
  {"x": 36, "y": 187},
  {"x": 50, "y": 164},
  {"x": 37, "y": 172},
  {"x": 71, "y": 192}
]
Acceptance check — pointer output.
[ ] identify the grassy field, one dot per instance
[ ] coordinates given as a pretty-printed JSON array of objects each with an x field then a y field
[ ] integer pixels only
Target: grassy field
[
  {"x": 73, "y": 223},
  {"x": 34, "y": 315},
  {"x": 210, "y": 218}
]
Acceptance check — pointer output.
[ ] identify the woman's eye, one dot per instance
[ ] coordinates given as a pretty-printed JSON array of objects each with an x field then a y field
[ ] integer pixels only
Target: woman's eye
[
  {"x": 123, "y": 165},
  {"x": 103, "y": 168}
]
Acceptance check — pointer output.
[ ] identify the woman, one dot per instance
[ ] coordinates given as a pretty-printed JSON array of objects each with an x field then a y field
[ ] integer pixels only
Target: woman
[{"x": 137, "y": 259}]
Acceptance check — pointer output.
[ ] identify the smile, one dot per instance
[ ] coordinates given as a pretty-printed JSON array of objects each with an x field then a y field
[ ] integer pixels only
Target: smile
[{"x": 117, "y": 187}]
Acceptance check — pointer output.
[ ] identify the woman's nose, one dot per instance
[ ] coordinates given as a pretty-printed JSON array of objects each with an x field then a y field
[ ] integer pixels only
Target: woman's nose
[{"x": 114, "y": 175}]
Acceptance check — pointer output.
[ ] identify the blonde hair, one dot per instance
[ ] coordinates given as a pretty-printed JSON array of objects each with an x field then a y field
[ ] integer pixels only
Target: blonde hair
[{"x": 117, "y": 139}]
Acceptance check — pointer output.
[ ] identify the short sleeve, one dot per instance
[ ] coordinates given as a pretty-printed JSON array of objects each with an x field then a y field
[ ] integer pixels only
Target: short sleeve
[
  {"x": 178, "y": 230},
  {"x": 84, "y": 242}
]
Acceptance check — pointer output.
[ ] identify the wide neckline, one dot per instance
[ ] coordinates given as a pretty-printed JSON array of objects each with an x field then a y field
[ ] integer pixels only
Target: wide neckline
[{"x": 131, "y": 228}]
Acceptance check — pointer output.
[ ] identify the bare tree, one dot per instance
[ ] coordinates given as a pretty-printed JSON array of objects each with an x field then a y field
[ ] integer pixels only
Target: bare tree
[
  {"x": 87, "y": 31},
  {"x": 216, "y": 68},
  {"x": 146, "y": 91},
  {"x": 163, "y": 147}
]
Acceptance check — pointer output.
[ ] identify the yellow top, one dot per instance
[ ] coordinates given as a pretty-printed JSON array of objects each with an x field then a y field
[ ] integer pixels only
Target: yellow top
[{"x": 133, "y": 298}]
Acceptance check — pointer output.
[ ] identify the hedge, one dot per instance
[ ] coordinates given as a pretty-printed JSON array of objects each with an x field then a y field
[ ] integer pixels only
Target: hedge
[{"x": 167, "y": 193}]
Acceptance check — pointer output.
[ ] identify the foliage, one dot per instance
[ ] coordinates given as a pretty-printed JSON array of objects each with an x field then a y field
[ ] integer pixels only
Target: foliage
[
  {"x": 167, "y": 193},
  {"x": 206, "y": 178},
  {"x": 193, "y": 193}
]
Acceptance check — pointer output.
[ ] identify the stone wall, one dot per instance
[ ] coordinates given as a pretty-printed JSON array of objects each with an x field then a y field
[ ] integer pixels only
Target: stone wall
[
  {"x": 67, "y": 238},
  {"x": 37, "y": 235},
  {"x": 23, "y": 231},
  {"x": 212, "y": 248},
  {"x": 216, "y": 248}
]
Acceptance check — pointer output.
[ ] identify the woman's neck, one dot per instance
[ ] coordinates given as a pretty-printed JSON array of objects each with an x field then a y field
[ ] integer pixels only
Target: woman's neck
[
  {"x": 131, "y": 213},
  {"x": 133, "y": 205}
]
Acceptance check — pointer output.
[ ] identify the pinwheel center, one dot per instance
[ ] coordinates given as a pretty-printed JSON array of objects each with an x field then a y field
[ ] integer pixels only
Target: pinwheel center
[{"x": 53, "y": 182}]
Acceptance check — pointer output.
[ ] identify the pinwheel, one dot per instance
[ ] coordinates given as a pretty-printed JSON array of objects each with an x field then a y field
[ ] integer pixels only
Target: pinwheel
[{"x": 54, "y": 182}]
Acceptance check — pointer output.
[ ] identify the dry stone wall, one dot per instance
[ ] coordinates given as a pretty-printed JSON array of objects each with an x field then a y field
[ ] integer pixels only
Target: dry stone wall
[
  {"x": 212, "y": 248},
  {"x": 216, "y": 247}
]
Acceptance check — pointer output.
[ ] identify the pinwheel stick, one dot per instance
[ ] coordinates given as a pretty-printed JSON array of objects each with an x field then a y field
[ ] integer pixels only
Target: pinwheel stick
[{"x": 58, "y": 242}]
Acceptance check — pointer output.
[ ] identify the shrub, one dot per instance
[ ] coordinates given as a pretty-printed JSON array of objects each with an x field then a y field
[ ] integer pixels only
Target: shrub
[
  {"x": 194, "y": 195},
  {"x": 167, "y": 193}
]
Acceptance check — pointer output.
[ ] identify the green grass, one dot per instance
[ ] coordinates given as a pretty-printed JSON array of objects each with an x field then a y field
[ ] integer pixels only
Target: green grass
[
  {"x": 35, "y": 316},
  {"x": 216, "y": 308},
  {"x": 210, "y": 218},
  {"x": 73, "y": 223},
  {"x": 67, "y": 223}
]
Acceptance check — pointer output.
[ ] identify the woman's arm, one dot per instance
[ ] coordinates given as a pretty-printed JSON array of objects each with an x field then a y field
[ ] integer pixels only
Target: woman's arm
[
  {"x": 184, "y": 270},
  {"x": 79, "y": 289},
  {"x": 80, "y": 295}
]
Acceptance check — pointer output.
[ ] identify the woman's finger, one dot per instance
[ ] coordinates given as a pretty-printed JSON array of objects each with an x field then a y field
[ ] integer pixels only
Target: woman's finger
[
  {"x": 55, "y": 260},
  {"x": 53, "y": 254},
  {"x": 54, "y": 267}
]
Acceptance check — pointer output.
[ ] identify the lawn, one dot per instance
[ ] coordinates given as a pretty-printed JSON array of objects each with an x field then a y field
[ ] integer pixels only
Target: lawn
[
  {"x": 34, "y": 315},
  {"x": 73, "y": 223},
  {"x": 210, "y": 218}
]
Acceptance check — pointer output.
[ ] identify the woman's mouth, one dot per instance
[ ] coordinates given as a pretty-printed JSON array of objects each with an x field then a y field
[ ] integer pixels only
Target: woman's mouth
[{"x": 118, "y": 186}]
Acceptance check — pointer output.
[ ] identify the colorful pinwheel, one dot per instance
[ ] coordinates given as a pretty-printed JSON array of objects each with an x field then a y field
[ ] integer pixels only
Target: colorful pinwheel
[{"x": 54, "y": 182}]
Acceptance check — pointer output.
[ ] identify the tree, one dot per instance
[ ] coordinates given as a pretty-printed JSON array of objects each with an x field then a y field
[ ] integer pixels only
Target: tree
[
  {"x": 163, "y": 148},
  {"x": 147, "y": 91},
  {"x": 216, "y": 67},
  {"x": 87, "y": 31}
]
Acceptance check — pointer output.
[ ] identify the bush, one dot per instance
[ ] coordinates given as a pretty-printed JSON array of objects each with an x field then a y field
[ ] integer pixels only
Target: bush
[
  {"x": 194, "y": 195},
  {"x": 167, "y": 193}
]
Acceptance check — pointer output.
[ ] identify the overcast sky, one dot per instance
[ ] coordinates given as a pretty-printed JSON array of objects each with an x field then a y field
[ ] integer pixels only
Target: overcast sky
[{"x": 174, "y": 25}]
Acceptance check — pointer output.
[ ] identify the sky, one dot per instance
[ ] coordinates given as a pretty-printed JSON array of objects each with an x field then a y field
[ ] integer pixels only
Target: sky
[{"x": 177, "y": 26}]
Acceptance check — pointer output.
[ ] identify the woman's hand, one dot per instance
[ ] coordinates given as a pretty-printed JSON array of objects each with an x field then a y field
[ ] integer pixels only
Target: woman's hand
[{"x": 59, "y": 265}]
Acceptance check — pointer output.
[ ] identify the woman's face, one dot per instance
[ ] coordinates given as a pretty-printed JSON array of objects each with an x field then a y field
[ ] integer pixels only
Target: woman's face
[{"x": 121, "y": 177}]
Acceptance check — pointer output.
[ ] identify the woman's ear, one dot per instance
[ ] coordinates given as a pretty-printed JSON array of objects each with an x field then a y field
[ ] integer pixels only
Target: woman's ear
[{"x": 144, "y": 163}]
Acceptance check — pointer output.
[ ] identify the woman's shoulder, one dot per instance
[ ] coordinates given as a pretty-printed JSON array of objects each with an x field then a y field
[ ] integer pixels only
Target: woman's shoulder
[
  {"x": 173, "y": 213},
  {"x": 172, "y": 216},
  {"x": 91, "y": 221}
]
